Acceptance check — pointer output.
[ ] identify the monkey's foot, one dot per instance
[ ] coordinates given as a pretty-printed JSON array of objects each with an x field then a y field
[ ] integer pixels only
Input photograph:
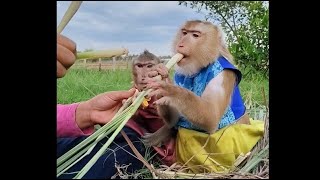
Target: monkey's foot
[{"x": 152, "y": 139}]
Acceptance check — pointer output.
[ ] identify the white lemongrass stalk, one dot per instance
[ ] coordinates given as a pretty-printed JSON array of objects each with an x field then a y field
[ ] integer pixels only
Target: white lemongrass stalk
[
  {"x": 102, "y": 53},
  {"x": 73, "y": 8},
  {"x": 176, "y": 58}
]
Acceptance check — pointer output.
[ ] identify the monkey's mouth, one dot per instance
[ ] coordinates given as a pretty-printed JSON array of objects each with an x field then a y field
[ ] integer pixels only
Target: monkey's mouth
[
  {"x": 182, "y": 51},
  {"x": 182, "y": 60},
  {"x": 143, "y": 85}
]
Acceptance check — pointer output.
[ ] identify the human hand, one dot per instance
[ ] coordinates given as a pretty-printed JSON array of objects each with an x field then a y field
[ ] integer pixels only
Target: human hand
[
  {"x": 101, "y": 108},
  {"x": 66, "y": 54}
]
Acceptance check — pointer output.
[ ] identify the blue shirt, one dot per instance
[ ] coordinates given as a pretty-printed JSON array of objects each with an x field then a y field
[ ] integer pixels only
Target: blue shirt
[{"x": 198, "y": 82}]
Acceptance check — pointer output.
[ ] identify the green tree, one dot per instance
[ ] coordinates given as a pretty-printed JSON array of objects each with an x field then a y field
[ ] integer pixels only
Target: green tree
[{"x": 246, "y": 24}]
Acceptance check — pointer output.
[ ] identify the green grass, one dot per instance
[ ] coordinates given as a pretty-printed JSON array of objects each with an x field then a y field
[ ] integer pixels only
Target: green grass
[
  {"x": 251, "y": 89},
  {"x": 81, "y": 84}
]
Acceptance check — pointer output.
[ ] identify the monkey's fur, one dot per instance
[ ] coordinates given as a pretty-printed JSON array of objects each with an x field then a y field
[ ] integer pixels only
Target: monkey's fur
[
  {"x": 141, "y": 65},
  {"x": 201, "y": 43}
]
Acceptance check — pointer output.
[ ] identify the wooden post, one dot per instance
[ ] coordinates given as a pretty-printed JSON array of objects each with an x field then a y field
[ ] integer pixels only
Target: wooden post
[
  {"x": 127, "y": 61},
  {"x": 114, "y": 63}
]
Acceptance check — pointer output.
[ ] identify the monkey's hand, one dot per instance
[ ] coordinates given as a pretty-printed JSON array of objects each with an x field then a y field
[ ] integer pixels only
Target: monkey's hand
[
  {"x": 159, "y": 69},
  {"x": 166, "y": 93}
]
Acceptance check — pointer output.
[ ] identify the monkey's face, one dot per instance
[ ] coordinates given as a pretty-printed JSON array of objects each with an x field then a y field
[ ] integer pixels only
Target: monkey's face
[
  {"x": 197, "y": 42},
  {"x": 140, "y": 73}
]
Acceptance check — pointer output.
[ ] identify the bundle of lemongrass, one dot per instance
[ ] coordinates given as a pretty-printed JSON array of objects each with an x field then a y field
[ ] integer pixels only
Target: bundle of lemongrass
[{"x": 114, "y": 126}]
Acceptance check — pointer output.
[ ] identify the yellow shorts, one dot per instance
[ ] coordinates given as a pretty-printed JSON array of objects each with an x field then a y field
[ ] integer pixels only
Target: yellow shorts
[{"x": 222, "y": 149}]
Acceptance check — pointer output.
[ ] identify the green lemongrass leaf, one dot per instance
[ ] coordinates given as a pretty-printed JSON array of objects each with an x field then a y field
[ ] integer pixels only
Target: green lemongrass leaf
[
  {"x": 102, "y": 53},
  {"x": 73, "y": 8},
  {"x": 133, "y": 107},
  {"x": 89, "y": 139},
  {"x": 67, "y": 165},
  {"x": 107, "y": 127},
  {"x": 87, "y": 150},
  {"x": 112, "y": 126},
  {"x": 72, "y": 161},
  {"x": 255, "y": 160},
  {"x": 124, "y": 106}
]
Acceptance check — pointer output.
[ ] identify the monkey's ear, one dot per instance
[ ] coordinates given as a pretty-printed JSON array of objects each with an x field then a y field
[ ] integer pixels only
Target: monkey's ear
[
  {"x": 224, "y": 50},
  {"x": 221, "y": 36}
]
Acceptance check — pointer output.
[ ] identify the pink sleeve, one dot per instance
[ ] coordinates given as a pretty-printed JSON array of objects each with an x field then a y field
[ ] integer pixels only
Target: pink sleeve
[{"x": 66, "y": 122}]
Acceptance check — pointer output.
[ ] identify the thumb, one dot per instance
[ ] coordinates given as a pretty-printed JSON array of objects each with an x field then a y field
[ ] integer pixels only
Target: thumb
[{"x": 120, "y": 95}]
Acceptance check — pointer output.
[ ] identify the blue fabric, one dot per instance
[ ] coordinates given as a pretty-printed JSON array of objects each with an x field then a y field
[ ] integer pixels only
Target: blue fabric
[
  {"x": 198, "y": 82},
  {"x": 104, "y": 168}
]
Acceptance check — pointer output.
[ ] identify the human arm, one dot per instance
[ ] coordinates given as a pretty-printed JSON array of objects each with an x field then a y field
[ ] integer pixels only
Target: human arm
[{"x": 79, "y": 118}]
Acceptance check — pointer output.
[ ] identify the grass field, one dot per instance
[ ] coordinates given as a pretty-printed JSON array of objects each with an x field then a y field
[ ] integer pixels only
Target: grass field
[{"x": 82, "y": 84}]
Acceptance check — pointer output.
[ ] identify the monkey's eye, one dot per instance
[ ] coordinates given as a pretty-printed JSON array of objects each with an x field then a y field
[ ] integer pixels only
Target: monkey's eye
[
  {"x": 195, "y": 35},
  {"x": 149, "y": 65},
  {"x": 139, "y": 65},
  {"x": 184, "y": 32}
]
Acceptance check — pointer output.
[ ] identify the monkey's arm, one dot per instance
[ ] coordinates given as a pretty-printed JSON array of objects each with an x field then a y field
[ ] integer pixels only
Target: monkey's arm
[
  {"x": 205, "y": 111},
  {"x": 170, "y": 115},
  {"x": 217, "y": 97}
]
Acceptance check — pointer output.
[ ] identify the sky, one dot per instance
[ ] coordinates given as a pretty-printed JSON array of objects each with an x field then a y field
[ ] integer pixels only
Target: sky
[{"x": 135, "y": 25}]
